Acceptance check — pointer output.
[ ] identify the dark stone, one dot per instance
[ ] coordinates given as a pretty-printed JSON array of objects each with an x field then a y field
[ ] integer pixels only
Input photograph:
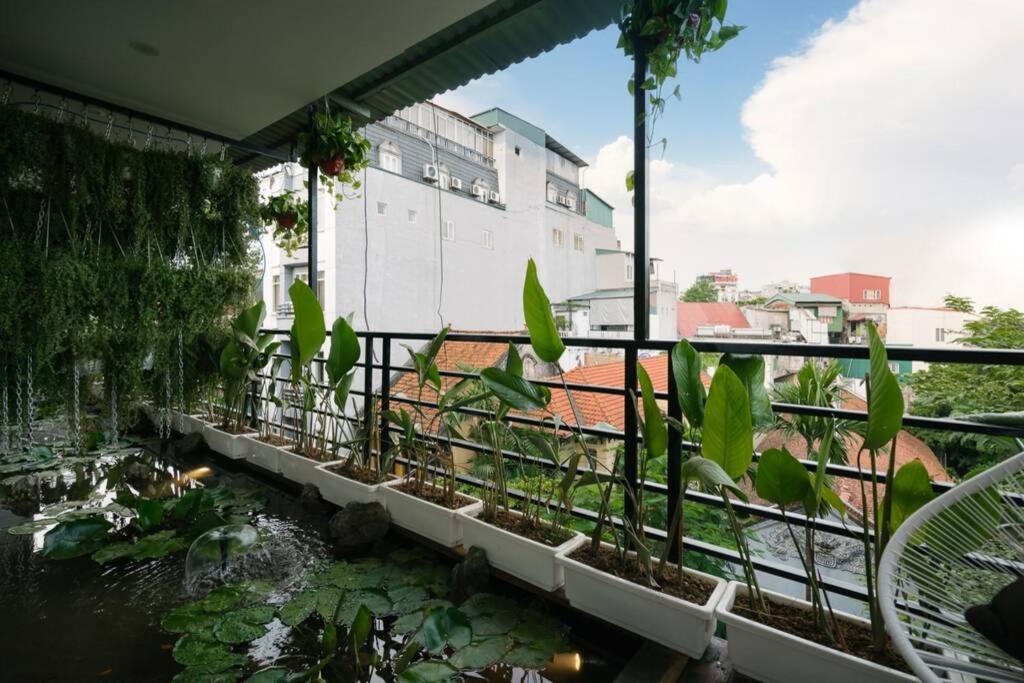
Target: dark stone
[
  {"x": 359, "y": 524},
  {"x": 310, "y": 498},
  {"x": 26, "y": 488},
  {"x": 188, "y": 444},
  {"x": 471, "y": 576},
  {"x": 138, "y": 474}
]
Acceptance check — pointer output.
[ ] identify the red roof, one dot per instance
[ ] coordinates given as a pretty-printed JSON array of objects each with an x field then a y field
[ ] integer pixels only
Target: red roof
[
  {"x": 691, "y": 315},
  {"x": 852, "y": 287}
]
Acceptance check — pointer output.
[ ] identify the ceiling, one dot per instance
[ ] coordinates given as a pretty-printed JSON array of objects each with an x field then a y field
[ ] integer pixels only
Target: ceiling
[{"x": 229, "y": 67}]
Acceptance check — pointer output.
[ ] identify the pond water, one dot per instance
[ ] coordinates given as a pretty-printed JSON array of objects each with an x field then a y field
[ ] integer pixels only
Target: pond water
[{"x": 119, "y": 620}]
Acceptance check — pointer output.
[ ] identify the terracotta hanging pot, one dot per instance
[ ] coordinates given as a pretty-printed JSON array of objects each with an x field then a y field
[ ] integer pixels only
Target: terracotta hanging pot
[
  {"x": 332, "y": 167},
  {"x": 287, "y": 220}
]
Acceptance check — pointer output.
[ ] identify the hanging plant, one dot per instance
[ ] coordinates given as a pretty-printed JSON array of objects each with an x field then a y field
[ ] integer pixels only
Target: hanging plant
[
  {"x": 288, "y": 214},
  {"x": 669, "y": 30},
  {"x": 338, "y": 150}
]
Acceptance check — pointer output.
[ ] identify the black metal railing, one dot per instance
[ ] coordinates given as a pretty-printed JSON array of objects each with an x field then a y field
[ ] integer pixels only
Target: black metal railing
[{"x": 379, "y": 371}]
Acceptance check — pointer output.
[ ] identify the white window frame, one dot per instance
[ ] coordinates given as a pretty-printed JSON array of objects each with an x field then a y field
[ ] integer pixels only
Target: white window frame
[
  {"x": 558, "y": 237},
  {"x": 444, "y": 177},
  {"x": 275, "y": 291},
  {"x": 411, "y": 216},
  {"x": 629, "y": 271},
  {"x": 382, "y": 208},
  {"x": 570, "y": 200},
  {"x": 577, "y": 241},
  {"x": 321, "y": 285},
  {"x": 488, "y": 239},
  {"x": 448, "y": 232},
  {"x": 552, "y": 191},
  {"x": 389, "y": 156}
]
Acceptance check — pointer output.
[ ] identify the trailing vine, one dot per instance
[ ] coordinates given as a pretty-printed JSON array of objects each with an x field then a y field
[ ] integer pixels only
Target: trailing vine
[
  {"x": 668, "y": 30},
  {"x": 337, "y": 149},
  {"x": 107, "y": 252}
]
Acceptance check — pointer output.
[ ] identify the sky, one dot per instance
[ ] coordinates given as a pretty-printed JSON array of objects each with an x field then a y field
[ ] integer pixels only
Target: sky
[{"x": 879, "y": 136}]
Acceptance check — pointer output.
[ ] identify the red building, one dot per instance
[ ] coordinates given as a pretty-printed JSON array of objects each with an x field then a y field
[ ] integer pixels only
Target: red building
[{"x": 854, "y": 288}]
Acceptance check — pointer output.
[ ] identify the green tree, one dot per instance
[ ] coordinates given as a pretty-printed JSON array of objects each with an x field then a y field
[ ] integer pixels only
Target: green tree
[
  {"x": 700, "y": 291},
  {"x": 964, "y": 304},
  {"x": 948, "y": 389}
]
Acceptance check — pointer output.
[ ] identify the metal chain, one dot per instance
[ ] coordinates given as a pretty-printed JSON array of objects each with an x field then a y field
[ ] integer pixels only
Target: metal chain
[
  {"x": 63, "y": 108},
  {"x": 188, "y": 146},
  {"x": 40, "y": 219},
  {"x": 5, "y": 418},
  {"x": 6, "y": 97},
  {"x": 29, "y": 398},
  {"x": 202, "y": 150},
  {"x": 113, "y": 410},
  {"x": 18, "y": 404},
  {"x": 181, "y": 380},
  {"x": 223, "y": 149},
  {"x": 110, "y": 126},
  {"x": 149, "y": 138},
  {"x": 131, "y": 133},
  {"x": 85, "y": 115},
  {"x": 35, "y": 102},
  {"x": 76, "y": 429}
]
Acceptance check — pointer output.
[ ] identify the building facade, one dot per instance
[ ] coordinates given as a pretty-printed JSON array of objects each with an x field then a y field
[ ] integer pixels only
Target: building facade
[
  {"x": 926, "y": 327},
  {"x": 450, "y": 210},
  {"x": 865, "y": 299},
  {"x": 724, "y": 282}
]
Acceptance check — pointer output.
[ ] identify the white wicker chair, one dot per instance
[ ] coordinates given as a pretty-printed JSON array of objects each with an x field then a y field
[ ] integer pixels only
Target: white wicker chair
[{"x": 955, "y": 552}]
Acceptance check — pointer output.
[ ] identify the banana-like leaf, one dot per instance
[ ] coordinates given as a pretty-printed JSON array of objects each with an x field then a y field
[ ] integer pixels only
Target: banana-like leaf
[
  {"x": 248, "y": 322},
  {"x": 750, "y": 370},
  {"x": 344, "y": 351},
  {"x": 911, "y": 488},
  {"x": 513, "y": 362},
  {"x": 308, "y": 331},
  {"x": 341, "y": 389},
  {"x": 539, "y": 321},
  {"x": 781, "y": 479},
  {"x": 728, "y": 435},
  {"x": 686, "y": 370},
  {"x": 885, "y": 399},
  {"x": 654, "y": 431},
  {"x": 708, "y": 474},
  {"x": 515, "y": 391}
]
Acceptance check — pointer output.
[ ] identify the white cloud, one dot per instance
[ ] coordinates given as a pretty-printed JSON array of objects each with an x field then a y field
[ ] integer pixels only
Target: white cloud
[{"x": 895, "y": 143}]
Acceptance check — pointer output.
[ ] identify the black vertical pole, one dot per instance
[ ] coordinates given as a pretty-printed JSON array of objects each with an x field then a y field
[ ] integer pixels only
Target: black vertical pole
[
  {"x": 311, "y": 262},
  {"x": 641, "y": 267},
  {"x": 385, "y": 392},
  {"x": 675, "y": 459}
]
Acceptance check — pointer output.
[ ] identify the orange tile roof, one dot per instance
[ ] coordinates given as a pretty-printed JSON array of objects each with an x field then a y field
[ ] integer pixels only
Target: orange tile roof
[{"x": 690, "y": 315}]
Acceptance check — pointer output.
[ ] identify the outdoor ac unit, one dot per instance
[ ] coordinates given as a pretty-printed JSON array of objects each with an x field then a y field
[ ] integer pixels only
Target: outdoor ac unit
[
  {"x": 456, "y": 184},
  {"x": 479, "y": 191},
  {"x": 430, "y": 173},
  {"x": 494, "y": 197}
]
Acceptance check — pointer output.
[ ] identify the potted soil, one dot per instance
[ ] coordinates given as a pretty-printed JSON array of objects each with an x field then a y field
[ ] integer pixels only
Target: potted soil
[
  {"x": 428, "y": 509},
  {"x": 343, "y": 482},
  {"x": 520, "y": 547},
  {"x": 787, "y": 647}
]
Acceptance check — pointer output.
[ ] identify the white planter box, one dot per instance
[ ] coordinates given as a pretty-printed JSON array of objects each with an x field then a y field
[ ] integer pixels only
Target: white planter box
[
  {"x": 234, "y": 446},
  {"x": 341, "y": 490},
  {"x": 299, "y": 468},
  {"x": 435, "y": 522},
  {"x": 187, "y": 424},
  {"x": 521, "y": 557},
  {"x": 665, "y": 619},
  {"x": 262, "y": 454},
  {"x": 774, "y": 656}
]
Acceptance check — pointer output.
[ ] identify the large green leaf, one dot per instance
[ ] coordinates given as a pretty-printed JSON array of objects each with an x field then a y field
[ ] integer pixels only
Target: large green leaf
[
  {"x": 247, "y": 324},
  {"x": 686, "y": 372},
  {"x": 75, "y": 538},
  {"x": 481, "y": 654},
  {"x": 781, "y": 479},
  {"x": 515, "y": 391},
  {"x": 308, "y": 328},
  {"x": 885, "y": 400},
  {"x": 728, "y": 435},
  {"x": 429, "y": 672},
  {"x": 539, "y": 321},
  {"x": 709, "y": 474},
  {"x": 443, "y": 627},
  {"x": 344, "y": 351},
  {"x": 151, "y": 513},
  {"x": 655, "y": 433},
  {"x": 513, "y": 362},
  {"x": 911, "y": 488},
  {"x": 750, "y": 370}
]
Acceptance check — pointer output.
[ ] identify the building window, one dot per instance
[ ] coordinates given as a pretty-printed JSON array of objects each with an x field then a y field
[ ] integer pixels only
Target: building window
[
  {"x": 449, "y": 231},
  {"x": 300, "y": 274},
  {"x": 275, "y": 292},
  {"x": 570, "y": 200},
  {"x": 557, "y": 237},
  {"x": 629, "y": 271},
  {"x": 390, "y": 157},
  {"x": 577, "y": 242},
  {"x": 872, "y": 294},
  {"x": 552, "y": 193},
  {"x": 518, "y": 151},
  {"x": 488, "y": 239},
  {"x": 321, "y": 286},
  {"x": 444, "y": 177},
  {"x": 382, "y": 208},
  {"x": 412, "y": 215},
  {"x": 940, "y": 334}
]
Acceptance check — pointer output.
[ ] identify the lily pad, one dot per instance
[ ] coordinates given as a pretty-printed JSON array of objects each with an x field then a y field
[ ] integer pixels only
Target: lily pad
[
  {"x": 275, "y": 674},
  {"x": 200, "y": 674},
  {"x": 494, "y": 624},
  {"x": 407, "y": 623},
  {"x": 480, "y": 654},
  {"x": 27, "y": 528},
  {"x": 234, "y": 631},
  {"x": 408, "y": 598},
  {"x": 193, "y": 650},
  {"x": 299, "y": 608},
  {"x": 157, "y": 545},
  {"x": 222, "y": 598},
  {"x": 374, "y": 600},
  {"x": 442, "y": 627},
  {"x": 327, "y": 599},
  {"x": 487, "y": 603},
  {"x": 528, "y": 656},
  {"x": 75, "y": 538},
  {"x": 187, "y": 619},
  {"x": 429, "y": 672}
]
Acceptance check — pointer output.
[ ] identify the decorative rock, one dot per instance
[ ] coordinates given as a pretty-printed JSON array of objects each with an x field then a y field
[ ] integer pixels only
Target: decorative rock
[
  {"x": 310, "y": 498},
  {"x": 471, "y": 576},
  {"x": 188, "y": 444},
  {"x": 26, "y": 488},
  {"x": 359, "y": 524},
  {"x": 138, "y": 474}
]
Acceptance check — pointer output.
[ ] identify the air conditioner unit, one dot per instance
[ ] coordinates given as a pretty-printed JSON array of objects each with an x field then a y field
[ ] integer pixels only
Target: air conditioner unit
[
  {"x": 478, "y": 191},
  {"x": 456, "y": 184},
  {"x": 430, "y": 173},
  {"x": 494, "y": 197}
]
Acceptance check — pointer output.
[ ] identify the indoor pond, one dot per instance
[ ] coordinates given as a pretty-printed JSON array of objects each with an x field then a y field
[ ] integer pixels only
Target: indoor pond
[{"x": 131, "y": 565}]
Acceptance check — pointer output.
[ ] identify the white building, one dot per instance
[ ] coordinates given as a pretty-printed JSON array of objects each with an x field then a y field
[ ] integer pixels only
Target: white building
[
  {"x": 926, "y": 327},
  {"x": 724, "y": 282},
  {"x": 450, "y": 210}
]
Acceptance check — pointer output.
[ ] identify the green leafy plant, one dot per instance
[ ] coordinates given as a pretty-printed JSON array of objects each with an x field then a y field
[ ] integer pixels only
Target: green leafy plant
[
  {"x": 306, "y": 338},
  {"x": 338, "y": 150},
  {"x": 289, "y": 216},
  {"x": 241, "y": 361}
]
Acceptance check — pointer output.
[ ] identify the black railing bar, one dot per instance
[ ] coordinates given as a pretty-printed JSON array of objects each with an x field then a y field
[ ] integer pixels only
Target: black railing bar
[
  {"x": 589, "y": 388},
  {"x": 318, "y": 360},
  {"x": 971, "y": 355}
]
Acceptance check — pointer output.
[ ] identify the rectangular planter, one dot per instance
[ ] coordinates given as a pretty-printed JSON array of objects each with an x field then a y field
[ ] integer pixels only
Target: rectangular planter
[
  {"x": 435, "y": 522},
  {"x": 341, "y": 490},
  {"x": 234, "y": 446},
  {"x": 299, "y": 468},
  {"x": 677, "y": 624},
  {"x": 264, "y": 455},
  {"x": 774, "y": 656},
  {"x": 187, "y": 424},
  {"x": 521, "y": 557}
]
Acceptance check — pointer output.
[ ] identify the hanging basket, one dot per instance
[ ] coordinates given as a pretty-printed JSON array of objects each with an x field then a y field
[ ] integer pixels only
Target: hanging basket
[{"x": 332, "y": 167}]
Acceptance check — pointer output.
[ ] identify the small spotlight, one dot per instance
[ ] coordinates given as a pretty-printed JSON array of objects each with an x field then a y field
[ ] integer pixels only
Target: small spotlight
[
  {"x": 198, "y": 473},
  {"x": 144, "y": 49},
  {"x": 566, "y": 661}
]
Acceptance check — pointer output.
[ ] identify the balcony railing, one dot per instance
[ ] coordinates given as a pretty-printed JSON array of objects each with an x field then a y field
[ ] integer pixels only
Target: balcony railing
[{"x": 378, "y": 373}]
